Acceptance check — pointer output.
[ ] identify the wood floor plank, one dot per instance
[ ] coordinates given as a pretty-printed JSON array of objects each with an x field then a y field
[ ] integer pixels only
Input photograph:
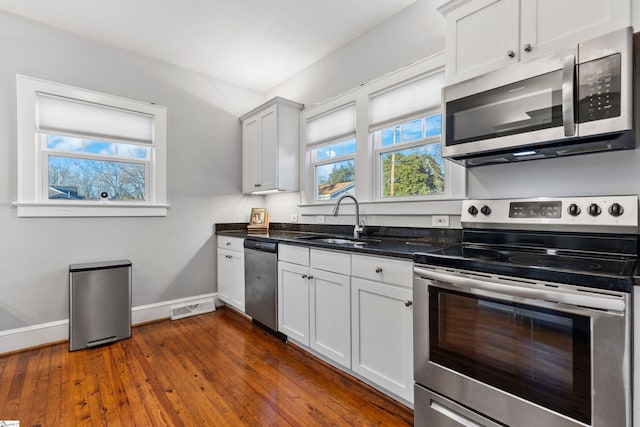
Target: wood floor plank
[{"x": 213, "y": 369}]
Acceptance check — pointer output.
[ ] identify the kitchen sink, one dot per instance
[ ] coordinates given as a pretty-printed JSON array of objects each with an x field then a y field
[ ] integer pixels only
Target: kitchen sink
[{"x": 338, "y": 239}]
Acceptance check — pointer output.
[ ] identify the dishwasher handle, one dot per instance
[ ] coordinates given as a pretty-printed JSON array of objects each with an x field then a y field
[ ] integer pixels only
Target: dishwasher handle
[{"x": 261, "y": 245}]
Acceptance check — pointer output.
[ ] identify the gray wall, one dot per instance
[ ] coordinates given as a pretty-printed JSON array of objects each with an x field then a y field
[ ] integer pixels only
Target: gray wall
[{"x": 174, "y": 256}]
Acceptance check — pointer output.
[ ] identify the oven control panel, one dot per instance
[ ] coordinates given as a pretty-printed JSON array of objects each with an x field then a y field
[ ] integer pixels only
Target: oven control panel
[{"x": 596, "y": 214}]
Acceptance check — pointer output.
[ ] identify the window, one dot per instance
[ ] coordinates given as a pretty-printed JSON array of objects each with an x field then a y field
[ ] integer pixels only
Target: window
[
  {"x": 409, "y": 158},
  {"x": 334, "y": 166},
  {"x": 405, "y": 130},
  {"x": 83, "y": 153},
  {"x": 331, "y": 146},
  {"x": 381, "y": 142}
]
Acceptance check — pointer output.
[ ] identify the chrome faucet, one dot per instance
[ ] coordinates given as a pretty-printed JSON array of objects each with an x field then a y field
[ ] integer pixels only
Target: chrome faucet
[{"x": 359, "y": 228}]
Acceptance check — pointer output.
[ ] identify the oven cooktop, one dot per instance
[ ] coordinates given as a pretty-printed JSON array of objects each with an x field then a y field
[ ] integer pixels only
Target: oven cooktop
[{"x": 585, "y": 241}]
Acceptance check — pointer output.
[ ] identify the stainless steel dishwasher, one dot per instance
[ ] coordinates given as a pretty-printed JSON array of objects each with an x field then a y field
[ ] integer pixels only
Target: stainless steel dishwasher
[{"x": 261, "y": 284}]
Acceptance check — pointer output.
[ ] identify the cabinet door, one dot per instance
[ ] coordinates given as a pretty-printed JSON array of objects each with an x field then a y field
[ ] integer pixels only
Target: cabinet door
[
  {"x": 231, "y": 278},
  {"x": 269, "y": 128},
  {"x": 330, "y": 316},
  {"x": 548, "y": 25},
  {"x": 293, "y": 301},
  {"x": 251, "y": 154},
  {"x": 480, "y": 36},
  {"x": 382, "y": 335}
]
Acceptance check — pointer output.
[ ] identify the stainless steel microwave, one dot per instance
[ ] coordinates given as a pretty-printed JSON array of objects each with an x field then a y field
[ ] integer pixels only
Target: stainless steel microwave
[{"x": 574, "y": 101}]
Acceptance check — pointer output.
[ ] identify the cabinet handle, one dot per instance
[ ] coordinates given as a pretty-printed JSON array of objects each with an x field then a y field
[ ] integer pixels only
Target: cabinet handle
[
  {"x": 228, "y": 243},
  {"x": 408, "y": 303},
  {"x": 304, "y": 276},
  {"x": 257, "y": 185},
  {"x": 527, "y": 47},
  {"x": 228, "y": 256},
  {"x": 511, "y": 54},
  {"x": 310, "y": 277},
  {"x": 378, "y": 270}
]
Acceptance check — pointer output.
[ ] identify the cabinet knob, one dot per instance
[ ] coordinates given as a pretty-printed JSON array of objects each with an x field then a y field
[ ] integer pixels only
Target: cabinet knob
[
  {"x": 511, "y": 54},
  {"x": 378, "y": 270},
  {"x": 527, "y": 47},
  {"x": 408, "y": 303}
]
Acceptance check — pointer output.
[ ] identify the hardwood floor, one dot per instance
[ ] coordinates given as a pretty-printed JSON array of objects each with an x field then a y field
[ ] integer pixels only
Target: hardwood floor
[{"x": 215, "y": 369}]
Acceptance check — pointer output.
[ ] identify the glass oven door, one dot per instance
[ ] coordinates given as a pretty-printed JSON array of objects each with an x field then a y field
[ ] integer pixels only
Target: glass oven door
[
  {"x": 538, "y": 354},
  {"x": 522, "y": 352}
]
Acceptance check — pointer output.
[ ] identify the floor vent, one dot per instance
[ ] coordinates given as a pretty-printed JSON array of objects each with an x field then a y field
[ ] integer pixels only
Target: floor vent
[{"x": 192, "y": 308}]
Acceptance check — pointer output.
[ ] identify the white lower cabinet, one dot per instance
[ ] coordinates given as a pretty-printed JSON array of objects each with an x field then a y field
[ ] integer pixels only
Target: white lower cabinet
[
  {"x": 382, "y": 325},
  {"x": 314, "y": 304},
  {"x": 231, "y": 271},
  {"x": 364, "y": 323}
]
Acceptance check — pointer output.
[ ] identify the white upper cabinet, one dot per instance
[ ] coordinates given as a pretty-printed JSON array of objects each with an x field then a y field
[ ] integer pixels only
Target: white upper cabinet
[
  {"x": 270, "y": 147},
  {"x": 484, "y": 35}
]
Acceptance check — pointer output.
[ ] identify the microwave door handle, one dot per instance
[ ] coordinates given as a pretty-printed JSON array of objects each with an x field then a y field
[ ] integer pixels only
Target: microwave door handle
[{"x": 568, "y": 85}]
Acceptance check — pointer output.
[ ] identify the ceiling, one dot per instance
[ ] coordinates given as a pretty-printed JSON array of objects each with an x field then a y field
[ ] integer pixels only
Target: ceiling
[{"x": 256, "y": 44}]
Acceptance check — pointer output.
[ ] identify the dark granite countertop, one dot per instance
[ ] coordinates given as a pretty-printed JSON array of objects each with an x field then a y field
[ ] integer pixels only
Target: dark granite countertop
[{"x": 398, "y": 242}]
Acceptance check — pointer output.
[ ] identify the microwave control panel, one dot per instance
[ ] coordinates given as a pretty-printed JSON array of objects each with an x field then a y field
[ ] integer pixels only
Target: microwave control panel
[{"x": 599, "y": 89}]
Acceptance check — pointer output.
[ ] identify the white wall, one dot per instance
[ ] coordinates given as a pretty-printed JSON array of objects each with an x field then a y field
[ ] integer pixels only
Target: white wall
[{"x": 173, "y": 257}]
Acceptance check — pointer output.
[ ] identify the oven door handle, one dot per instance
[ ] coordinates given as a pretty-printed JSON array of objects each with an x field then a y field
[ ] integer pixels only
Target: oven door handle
[{"x": 601, "y": 302}]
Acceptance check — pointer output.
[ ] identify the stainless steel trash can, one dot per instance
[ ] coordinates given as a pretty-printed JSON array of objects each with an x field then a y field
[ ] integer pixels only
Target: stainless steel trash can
[{"x": 99, "y": 303}]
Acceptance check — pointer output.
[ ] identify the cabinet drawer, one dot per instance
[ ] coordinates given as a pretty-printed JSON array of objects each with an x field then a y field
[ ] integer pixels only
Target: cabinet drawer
[
  {"x": 231, "y": 243},
  {"x": 335, "y": 262},
  {"x": 387, "y": 270},
  {"x": 293, "y": 254}
]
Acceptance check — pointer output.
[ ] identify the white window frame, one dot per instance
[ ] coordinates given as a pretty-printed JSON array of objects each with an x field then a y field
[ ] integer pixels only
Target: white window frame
[
  {"x": 33, "y": 200},
  {"x": 338, "y": 159},
  {"x": 367, "y": 175},
  {"x": 379, "y": 150}
]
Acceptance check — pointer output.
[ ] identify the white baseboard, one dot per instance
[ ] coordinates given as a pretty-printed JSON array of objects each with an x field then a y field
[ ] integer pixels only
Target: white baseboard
[{"x": 44, "y": 333}]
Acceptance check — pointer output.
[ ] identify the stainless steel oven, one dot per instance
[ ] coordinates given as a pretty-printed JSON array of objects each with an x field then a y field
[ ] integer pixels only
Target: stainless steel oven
[{"x": 522, "y": 327}]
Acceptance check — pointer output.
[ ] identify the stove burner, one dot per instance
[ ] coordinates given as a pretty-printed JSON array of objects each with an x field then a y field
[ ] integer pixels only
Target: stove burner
[{"x": 555, "y": 262}]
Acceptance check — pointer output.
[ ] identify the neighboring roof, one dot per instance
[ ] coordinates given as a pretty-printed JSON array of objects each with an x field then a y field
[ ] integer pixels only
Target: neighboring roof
[
  {"x": 332, "y": 191},
  {"x": 64, "y": 192}
]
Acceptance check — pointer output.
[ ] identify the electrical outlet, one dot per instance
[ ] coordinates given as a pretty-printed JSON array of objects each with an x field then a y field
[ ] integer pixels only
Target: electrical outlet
[
  {"x": 440, "y": 220},
  {"x": 294, "y": 217},
  {"x": 319, "y": 218}
]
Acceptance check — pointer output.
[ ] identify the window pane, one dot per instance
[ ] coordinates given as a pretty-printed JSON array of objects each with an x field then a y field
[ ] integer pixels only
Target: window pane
[
  {"x": 413, "y": 172},
  {"x": 131, "y": 151},
  {"x": 335, "y": 179},
  {"x": 412, "y": 130},
  {"x": 85, "y": 179},
  {"x": 434, "y": 125},
  {"x": 64, "y": 143},
  {"x": 390, "y": 135},
  {"x": 100, "y": 148},
  {"x": 336, "y": 149}
]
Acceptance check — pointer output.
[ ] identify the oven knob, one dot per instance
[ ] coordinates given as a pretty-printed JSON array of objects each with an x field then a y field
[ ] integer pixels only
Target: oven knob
[
  {"x": 574, "y": 210},
  {"x": 616, "y": 209},
  {"x": 486, "y": 210},
  {"x": 594, "y": 210},
  {"x": 472, "y": 210}
]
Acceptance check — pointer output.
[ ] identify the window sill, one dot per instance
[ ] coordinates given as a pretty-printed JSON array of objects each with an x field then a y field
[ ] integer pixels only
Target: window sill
[{"x": 107, "y": 209}]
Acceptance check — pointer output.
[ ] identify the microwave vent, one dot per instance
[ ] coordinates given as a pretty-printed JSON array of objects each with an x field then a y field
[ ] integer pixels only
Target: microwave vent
[
  {"x": 584, "y": 150},
  {"x": 486, "y": 161}
]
